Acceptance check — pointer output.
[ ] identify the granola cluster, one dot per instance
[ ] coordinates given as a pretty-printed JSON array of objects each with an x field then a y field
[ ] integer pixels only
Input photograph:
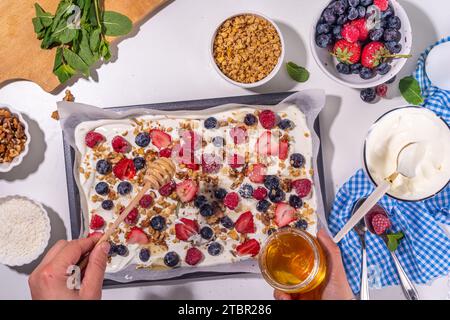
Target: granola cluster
[
  {"x": 12, "y": 136},
  {"x": 247, "y": 48}
]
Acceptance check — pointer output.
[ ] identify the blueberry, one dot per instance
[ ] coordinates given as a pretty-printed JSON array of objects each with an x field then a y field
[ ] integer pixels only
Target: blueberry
[
  {"x": 341, "y": 20},
  {"x": 220, "y": 193},
  {"x": 387, "y": 13},
  {"x": 218, "y": 142},
  {"x": 301, "y": 224},
  {"x": 343, "y": 68},
  {"x": 393, "y": 47},
  {"x": 337, "y": 32},
  {"x": 353, "y": 13},
  {"x": 199, "y": 201},
  {"x": 124, "y": 188},
  {"x": 271, "y": 182},
  {"x": 286, "y": 124},
  {"x": 144, "y": 255},
  {"x": 392, "y": 35},
  {"x": 366, "y": 2},
  {"x": 383, "y": 68},
  {"x": 142, "y": 139},
  {"x": 103, "y": 167},
  {"x": 328, "y": 15},
  {"x": 263, "y": 206},
  {"x": 102, "y": 188},
  {"x": 271, "y": 231},
  {"x": 324, "y": 40},
  {"x": 215, "y": 249},
  {"x": 392, "y": 80},
  {"x": 112, "y": 249},
  {"x": 276, "y": 195},
  {"x": 206, "y": 210},
  {"x": 158, "y": 223},
  {"x": 320, "y": 29},
  {"x": 297, "y": 160},
  {"x": 355, "y": 68},
  {"x": 394, "y": 22},
  {"x": 171, "y": 259},
  {"x": 107, "y": 204},
  {"x": 376, "y": 34},
  {"x": 361, "y": 11},
  {"x": 339, "y": 7},
  {"x": 353, "y": 3},
  {"x": 368, "y": 95},
  {"x": 246, "y": 191},
  {"x": 295, "y": 201},
  {"x": 211, "y": 123},
  {"x": 139, "y": 163},
  {"x": 121, "y": 250},
  {"x": 227, "y": 222},
  {"x": 207, "y": 233},
  {"x": 366, "y": 73},
  {"x": 250, "y": 119}
]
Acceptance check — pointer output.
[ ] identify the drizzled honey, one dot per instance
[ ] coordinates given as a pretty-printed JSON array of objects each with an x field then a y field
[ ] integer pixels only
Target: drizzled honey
[{"x": 292, "y": 261}]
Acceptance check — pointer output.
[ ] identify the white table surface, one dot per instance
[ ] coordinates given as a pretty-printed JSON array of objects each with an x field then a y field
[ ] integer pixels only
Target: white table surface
[{"x": 167, "y": 60}]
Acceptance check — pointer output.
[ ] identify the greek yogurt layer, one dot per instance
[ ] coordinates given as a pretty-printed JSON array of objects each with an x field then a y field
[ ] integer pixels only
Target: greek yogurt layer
[
  {"x": 398, "y": 129},
  {"x": 163, "y": 233}
]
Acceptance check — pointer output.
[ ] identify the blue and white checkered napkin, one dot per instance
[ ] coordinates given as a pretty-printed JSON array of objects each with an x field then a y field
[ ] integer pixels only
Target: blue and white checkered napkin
[{"x": 425, "y": 250}]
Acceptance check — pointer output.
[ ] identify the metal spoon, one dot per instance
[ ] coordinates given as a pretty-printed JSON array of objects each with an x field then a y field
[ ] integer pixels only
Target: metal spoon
[
  {"x": 408, "y": 287},
  {"x": 407, "y": 161},
  {"x": 361, "y": 230}
]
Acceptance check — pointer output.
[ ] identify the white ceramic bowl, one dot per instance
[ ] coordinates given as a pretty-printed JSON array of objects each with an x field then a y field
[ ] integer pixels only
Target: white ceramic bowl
[
  {"x": 270, "y": 75},
  {"x": 5, "y": 167},
  {"x": 328, "y": 63},
  {"x": 14, "y": 261}
]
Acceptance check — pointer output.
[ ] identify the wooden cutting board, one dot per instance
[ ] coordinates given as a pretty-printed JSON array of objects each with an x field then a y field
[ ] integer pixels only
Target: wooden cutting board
[{"x": 21, "y": 57}]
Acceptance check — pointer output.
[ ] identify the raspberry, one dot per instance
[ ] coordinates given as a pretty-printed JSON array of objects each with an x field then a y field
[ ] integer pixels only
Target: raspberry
[
  {"x": 165, "y": 153},
  {"x": 268, "y": 119},
  {"x": 211, "y": 163},
  {"x": 231, "y": 200},
  {"x": 97, "y": 222},
  {"x": 193, "y": 256},
  {"x": 381, "y": 4},
  {"x": 146, "y": 201},
  {"x": 302, "y": 187},
  {"x": 132, "y": 217},
  {"x": 260, "y": 193},
  {"x": 167, "y": 189},
  {"x": 382, "y": 90},
  {"x": 350, "y": 33},
  {"x": 380, "y": 223},
  {"x": 93, "y": 139},
  {"x": 120, "y": 145}
]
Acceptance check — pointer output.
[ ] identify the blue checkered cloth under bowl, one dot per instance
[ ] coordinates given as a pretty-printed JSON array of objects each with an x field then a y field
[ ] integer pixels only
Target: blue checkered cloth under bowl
[{"x": 425, "y": 250}]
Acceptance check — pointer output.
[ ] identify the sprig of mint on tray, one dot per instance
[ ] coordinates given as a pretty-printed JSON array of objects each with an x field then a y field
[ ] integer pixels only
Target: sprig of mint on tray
[
  {"x": 297, "y": 72},
  {"x": 78, "y": 31},
  {"x": 410, "y": 90},
  {"x": 394, "y": 240}
]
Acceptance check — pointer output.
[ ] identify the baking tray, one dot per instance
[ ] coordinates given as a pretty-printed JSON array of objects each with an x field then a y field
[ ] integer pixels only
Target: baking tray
[{"x": 74, "y": 195}]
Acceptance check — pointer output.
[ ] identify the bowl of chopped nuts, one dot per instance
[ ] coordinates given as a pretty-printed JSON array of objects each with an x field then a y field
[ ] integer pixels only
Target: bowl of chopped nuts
[
  {"x": 14, "y": 138},
  {"x": 247, "y": 49}
]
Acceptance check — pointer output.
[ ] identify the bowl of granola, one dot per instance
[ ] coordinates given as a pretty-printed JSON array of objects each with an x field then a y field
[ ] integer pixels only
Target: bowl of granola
[
  {"x": 247, "y": 49},
  {"x": 14, "y": 138}
]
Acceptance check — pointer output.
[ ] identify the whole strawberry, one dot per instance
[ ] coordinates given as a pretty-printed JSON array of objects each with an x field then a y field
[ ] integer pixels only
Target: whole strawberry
[
  {"x": 347, "y": 52},
  {"x": 375, "y": 53}
]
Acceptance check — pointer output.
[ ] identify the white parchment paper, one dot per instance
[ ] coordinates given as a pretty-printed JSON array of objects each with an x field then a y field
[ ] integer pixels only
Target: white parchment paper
[{"x": 310, "y": 102}]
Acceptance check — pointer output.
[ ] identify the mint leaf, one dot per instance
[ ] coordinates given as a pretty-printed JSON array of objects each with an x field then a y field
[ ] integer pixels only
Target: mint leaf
[
  {"x": 45, "y": 18},
  {"x": 75, "y": 61},
  {"x": 296, "y": 72},
  {"x": 116, "y": 24},
  {"x": 410, "y": 90},
  {"x": 64, "y": 73},
  {"x": 393, "y": 240}
]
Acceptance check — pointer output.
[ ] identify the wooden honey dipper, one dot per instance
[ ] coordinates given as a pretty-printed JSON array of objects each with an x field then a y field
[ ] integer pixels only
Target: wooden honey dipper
[{"x": 158, "y": 173}]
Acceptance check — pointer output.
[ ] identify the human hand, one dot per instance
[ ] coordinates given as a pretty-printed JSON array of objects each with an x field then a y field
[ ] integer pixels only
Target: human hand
[
  {"x": 336, "y": 286},
  {"x": 49, "y": 280}
]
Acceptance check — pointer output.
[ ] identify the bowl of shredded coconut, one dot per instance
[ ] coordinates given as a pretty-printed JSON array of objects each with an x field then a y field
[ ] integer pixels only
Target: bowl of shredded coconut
[{"x": 24, "y": 230}]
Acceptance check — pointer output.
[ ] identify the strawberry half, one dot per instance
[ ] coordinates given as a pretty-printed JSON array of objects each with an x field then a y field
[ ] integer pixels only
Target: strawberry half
[
  {"x": 120, "y": 145},
  {"x": 257, "y": 173},
  {"x": 250, "y": 247},
  {"x": 124, "y": 169},
  {"x": 137, "y": 235},
  {"x": 245, "y": 224},
  {"x": 187, "y": 190},
  {"x": 267, "y": 144},
  {"x": 193, "y": 256},
  {"x": 284, "y": 214},
  {"x": 347, "y": 52},
  {"x": 283, "y": 150},
  {"x": 97, "y": 222},
  {"x": 160, "y": 139},
  {"x": 93, "y": 139},
  {"x": 380, "y": 223},
  {"x": 185, "y": 229},
  {"x": 302, "y": 187}
]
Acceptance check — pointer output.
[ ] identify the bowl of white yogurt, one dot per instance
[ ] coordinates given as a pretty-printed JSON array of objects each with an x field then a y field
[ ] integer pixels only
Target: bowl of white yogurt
[{"x": 398, "y": 128}]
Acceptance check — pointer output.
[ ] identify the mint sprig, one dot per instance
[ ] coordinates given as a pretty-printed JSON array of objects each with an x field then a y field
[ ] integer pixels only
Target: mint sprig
[
  {"x": 297, "y": 72},
  {"x": 394, "y": 240},
  {"x": 410, "y": 90}
]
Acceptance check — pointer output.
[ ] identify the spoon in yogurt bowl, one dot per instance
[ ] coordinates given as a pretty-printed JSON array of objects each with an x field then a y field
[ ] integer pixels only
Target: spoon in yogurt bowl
[{"x": 408, "y": 160}]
